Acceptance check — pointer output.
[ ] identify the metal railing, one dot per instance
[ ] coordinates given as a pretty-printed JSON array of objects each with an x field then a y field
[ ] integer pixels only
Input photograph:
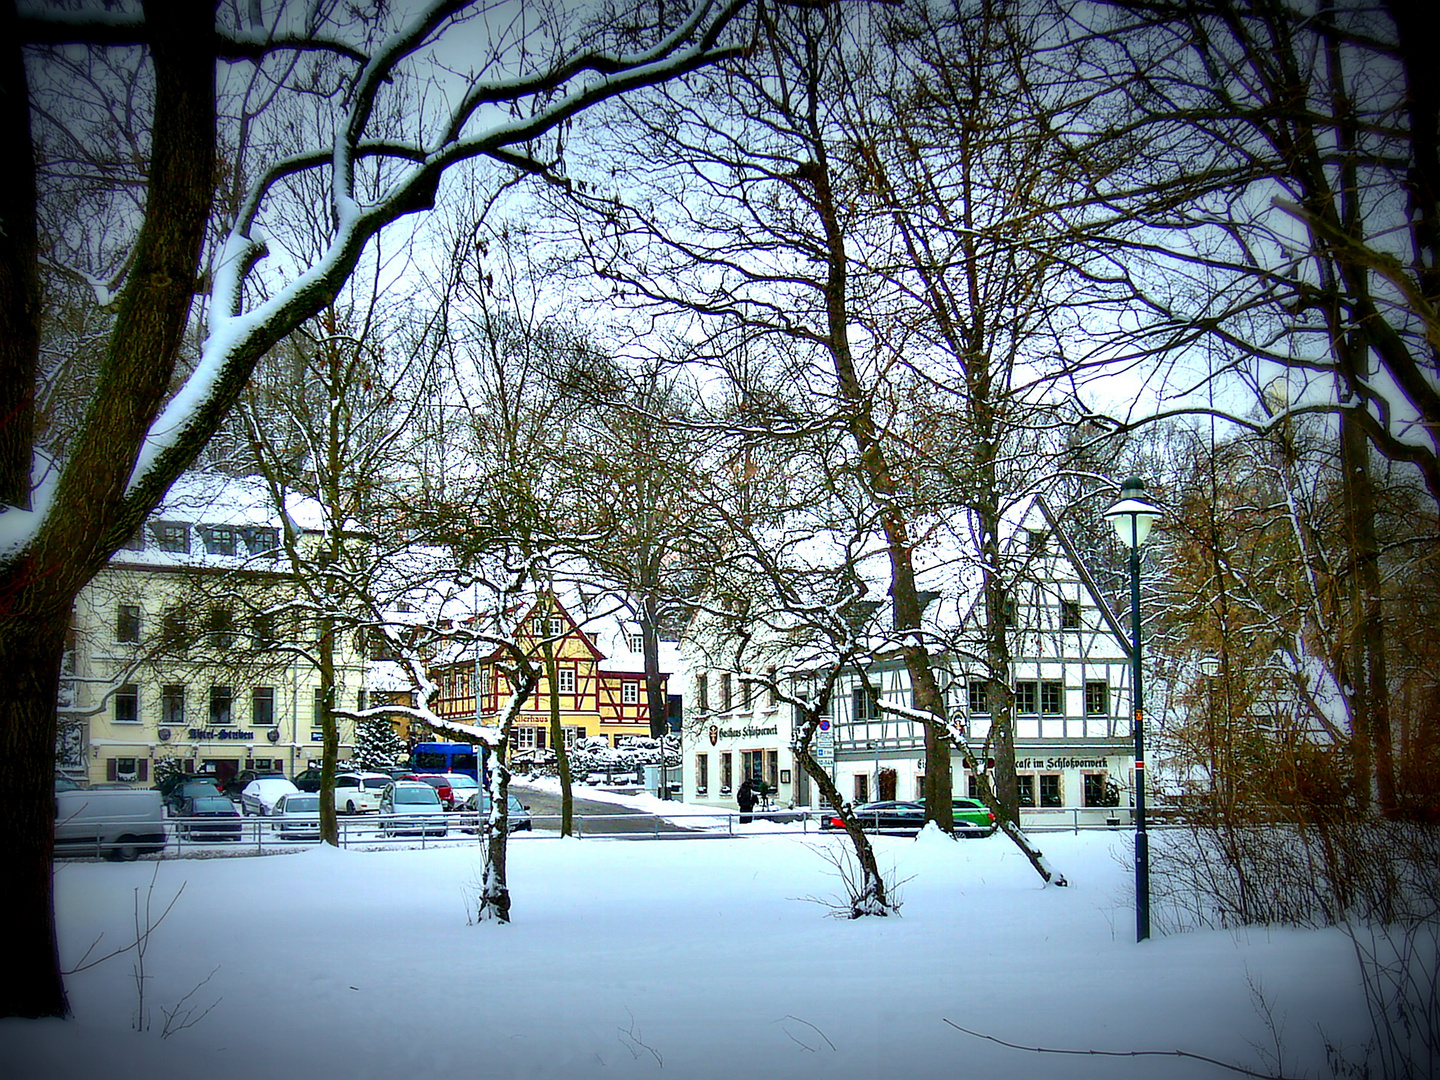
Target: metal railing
[{"x": 212, "y": 837}]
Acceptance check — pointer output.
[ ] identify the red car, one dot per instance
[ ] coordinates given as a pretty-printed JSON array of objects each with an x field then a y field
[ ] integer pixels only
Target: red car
[{"x": 439, "y": 783}]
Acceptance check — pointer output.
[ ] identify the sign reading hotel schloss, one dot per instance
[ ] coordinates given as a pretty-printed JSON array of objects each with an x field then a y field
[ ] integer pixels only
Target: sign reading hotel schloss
[
  {"x": 1063, "y": 763},
  {"x": 749, "y": 732}
]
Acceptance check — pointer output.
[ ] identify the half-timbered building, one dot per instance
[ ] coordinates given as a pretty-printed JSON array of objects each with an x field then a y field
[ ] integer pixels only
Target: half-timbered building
[
  {"x": 1069, "y": 674},
  {"x": 599, "y": 693}
]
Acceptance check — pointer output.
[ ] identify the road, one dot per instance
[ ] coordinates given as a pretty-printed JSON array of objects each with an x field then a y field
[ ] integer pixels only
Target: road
[{"x": 545, "y": 809}]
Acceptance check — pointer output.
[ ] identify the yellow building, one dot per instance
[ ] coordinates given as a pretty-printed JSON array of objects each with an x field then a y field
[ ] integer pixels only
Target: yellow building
[
  {"x": 188, "y": 645},
  {"x": 597, "y": 696}
]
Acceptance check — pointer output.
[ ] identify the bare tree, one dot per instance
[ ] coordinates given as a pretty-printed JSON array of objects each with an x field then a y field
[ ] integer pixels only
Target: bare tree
[{"x": 149, "y": 415}]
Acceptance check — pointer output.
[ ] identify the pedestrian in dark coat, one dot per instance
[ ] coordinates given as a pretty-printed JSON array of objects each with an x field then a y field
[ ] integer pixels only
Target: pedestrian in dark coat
[{"x": 746, "y": 798}]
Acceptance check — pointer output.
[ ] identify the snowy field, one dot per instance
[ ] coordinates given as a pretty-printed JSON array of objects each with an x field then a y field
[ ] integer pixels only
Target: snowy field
[{"x": 693, "y": 959}]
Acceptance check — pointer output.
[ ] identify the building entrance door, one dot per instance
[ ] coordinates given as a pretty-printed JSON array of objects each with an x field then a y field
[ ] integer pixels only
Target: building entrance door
[{"x": 886, "y": 784}]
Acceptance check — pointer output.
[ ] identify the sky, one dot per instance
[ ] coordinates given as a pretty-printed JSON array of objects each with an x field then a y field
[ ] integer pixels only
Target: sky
[{"x": 697, "y": 958}]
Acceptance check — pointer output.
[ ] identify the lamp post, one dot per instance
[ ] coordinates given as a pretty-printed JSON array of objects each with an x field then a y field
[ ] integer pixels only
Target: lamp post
[{"x": 1132, "y": 517}]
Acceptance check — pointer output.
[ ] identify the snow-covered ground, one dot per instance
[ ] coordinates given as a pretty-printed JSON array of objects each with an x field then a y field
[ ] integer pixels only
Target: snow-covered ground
[{"x": 694, "y": 959}]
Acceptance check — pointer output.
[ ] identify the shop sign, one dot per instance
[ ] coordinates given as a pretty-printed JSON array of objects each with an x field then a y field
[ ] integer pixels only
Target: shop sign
[
  {"x": 233, "y": 734},
  {"x": 749, "y": 731},
  {"x": 1063, "y": 763}
]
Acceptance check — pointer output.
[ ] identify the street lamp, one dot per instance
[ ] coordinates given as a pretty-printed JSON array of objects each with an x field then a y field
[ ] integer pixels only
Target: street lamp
[{"x": 1132, "y": 517}]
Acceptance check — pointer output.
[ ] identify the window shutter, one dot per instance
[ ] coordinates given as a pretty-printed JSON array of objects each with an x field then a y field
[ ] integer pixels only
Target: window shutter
[
  {"x": 110, "y": 769},
  {"x": 540, "y": 734},
  {"x": 142, "y": 770}
]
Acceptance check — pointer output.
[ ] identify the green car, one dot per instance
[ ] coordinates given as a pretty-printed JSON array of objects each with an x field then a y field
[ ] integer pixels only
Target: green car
[{"x": 972, "y": 817}]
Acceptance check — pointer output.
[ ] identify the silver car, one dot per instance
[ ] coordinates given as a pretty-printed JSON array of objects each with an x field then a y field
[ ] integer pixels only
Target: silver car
[
  {"x": 411, "y": 808},
  {"x": 296, "y": 816}
]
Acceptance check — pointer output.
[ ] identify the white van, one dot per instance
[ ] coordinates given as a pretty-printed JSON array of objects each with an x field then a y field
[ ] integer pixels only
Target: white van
[{"x": 118, "y": 823}]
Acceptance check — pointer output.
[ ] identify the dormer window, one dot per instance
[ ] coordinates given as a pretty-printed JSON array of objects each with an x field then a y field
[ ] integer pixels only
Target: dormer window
[
  {"x": 171, "y": 535},
  {"x": 635, "y": 642},
  {"x": 219, "y": 539},
  {"x": 260, "y": 540}
]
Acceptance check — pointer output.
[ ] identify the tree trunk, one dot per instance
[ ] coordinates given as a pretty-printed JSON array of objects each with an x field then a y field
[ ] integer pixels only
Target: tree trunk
[
  {"x": 30, "y": 651},
  {"x": 557, "y": 740},
  {"x": 870, "y": 897},
  {"x": 90, "y": 515}
]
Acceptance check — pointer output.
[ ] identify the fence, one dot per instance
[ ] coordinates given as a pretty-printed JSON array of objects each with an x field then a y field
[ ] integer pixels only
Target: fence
[{"x": 212, "y": 837}]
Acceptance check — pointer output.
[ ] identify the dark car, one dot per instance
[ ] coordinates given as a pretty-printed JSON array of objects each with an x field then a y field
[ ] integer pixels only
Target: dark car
[
  {"x": 517, "y": 814},
  {"x": 190, "y": 788},
  {"x": 885, "y": 816},
  {"x": 209, "y": 817},
  {"x": 309, "y": 779}
]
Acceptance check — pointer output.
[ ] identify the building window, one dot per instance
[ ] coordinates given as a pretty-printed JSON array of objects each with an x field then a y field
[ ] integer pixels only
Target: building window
[
  {"x": 1050, "y": 790},
  {"x": 171, "y": 535},
  {"x": 630, "y": 693},
  {"x": 726, "y": 686},
  {"x": 1025, "y": 697},
  {"x": 259, "y": 540},
  {"x": 772, "y": 768},
  {"x": 572, "y": 734},
  {"x": 135, "y": 541},
  {"x": 530, "y": 738},
  {"x": 219, "y": 539},
  {"x": 317, "y": 707},
  {"x": 485, "y": 686},
  {"x": 979, "y": 698},
  {"x": 772, "y": 688},
  {"x": 864, "y": 703},
  {"x": 220, "y": 703},
  {"x": 537, "y": 626},
  {"x": 1052, "y": 698},
  {"x": 128, "y": 769},
  {"x": 557, "y": 626},
  {"x": 172, "y": 705},
  {"x": 127, "y": 623},
  {"x": 702, "y": 691},
  {"x": 566, "y": 683},
  {"x": 862, "y": 787},
  {"x": 222, "y": 629},
  {"x": 1036, "y": 541},
  {"x": 263, "y": 630},
  {"x": 1099, "y": 791},
  {"x": 262, "y": 706},
  {"x": 1025, "y": 783},
  {"x": 1069, "y": 614},
  {"x": 1007, "y": 613},
  {"x": 127, "y": 704},
  {"x": 1097, "y": 698},
  {"x": 702, "y": 773},
  {"x": 747, "y": 693},
  {"x": 635, "y": 642},
  {"x": 175, "y": 630},
  {"x": 727, "y": 773}
]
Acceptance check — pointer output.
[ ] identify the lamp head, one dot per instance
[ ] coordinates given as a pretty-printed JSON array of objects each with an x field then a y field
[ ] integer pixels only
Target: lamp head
[{"x": 1132, "y": 516}]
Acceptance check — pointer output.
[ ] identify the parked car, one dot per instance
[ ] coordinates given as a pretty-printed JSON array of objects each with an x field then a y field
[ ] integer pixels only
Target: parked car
[
  {"x": 209, "y": 817},
  {"x": 235, "y": 785},
  {"x": 884, "y": 816},
  {"x": 259, "y": 796},
  {"x": 358, "y": 792},
  {"x": 167, "y": 786},
  {"x": 461, "y": 788},
  {"x": 411, "y": 808},
  {"x": 296, "y": 816},
  {"x": 517, "y": 814},
  {"x": 308, "y": 779},
  {"x": 439, "y": 783},
  {"x": 972, "y": 818},
  {"x": 119, "y": 824},
  {"x": 190, "y": 788}
]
